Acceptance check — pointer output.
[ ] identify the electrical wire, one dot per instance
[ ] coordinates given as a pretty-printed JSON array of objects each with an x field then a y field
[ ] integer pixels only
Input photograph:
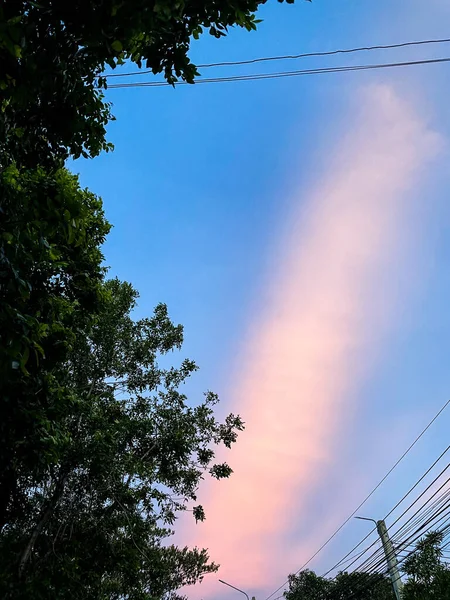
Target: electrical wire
[
  {"x": 296, "y": 56},
  {"x": 373, "y": 568},
  {"x": 427, "y": 522},
  {"x": 284, "y": 74},
  {"x": 439, "y": 521},
  {"x": 416, "y": 521},
  {"x": 333, "y": 568},
  {"x": 420, "y": 496},
  {"x": 443, "y": 530},
  {"x": 420, "y": 480},
  {"x": 357, "y": 593},
  {"x": 396, "y": 506},
  {"x": 439, "y": 509},
  {"x": 352, "y": 559},
  {"x": 410, "y": 447}
]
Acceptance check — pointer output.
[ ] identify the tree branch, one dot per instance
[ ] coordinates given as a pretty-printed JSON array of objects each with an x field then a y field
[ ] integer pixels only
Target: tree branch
[{"x": 46, "y": 514}]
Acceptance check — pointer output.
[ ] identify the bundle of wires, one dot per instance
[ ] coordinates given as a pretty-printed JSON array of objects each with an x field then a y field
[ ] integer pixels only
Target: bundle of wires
[
  {"x": 429, "y": 511},
  {"x": 236, "y": 77}
]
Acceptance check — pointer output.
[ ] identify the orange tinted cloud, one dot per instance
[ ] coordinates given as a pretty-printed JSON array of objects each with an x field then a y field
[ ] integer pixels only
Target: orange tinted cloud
[{"x": 327, "y": 308}]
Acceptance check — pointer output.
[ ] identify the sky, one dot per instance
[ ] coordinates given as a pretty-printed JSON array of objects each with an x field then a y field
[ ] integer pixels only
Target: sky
[{"x": 297, "y": 228}]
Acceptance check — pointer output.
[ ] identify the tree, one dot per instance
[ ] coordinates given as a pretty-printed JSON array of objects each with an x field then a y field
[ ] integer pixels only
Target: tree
[
  {"x": 96, "y": 524},
  {"x": 53, "y": 54},
  {"x": 355, "y": 586},
  {"x": 428, "y": 575},
  {"x": 308, "y": 586},
  {"x": 90, "y": 483},
  {"x": 362, "y": 586},
  {"x": 50, "y": 285}
]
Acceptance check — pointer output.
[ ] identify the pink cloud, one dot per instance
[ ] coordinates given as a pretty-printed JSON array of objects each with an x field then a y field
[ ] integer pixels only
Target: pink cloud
[{"x": 327, "y": 309}]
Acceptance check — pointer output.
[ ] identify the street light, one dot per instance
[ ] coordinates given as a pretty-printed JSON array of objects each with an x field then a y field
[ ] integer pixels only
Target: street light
[
  {"x": 234, "y": 588},
  {"x": 366, "y": 519}
]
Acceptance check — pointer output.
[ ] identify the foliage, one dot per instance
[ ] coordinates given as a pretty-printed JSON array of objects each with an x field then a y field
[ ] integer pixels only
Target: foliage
[
  {"x": 362, "y": 586},
  {"x": 308, "y": 586},
  {"x": 95, "y": 524},
  {"x": 99, "y": 449},
  {"x": 428, "y": 575},
  {"x": 53, "y": 52},
  {"x": 50, "y": 274},
  {"x": 357, "y": 586}
]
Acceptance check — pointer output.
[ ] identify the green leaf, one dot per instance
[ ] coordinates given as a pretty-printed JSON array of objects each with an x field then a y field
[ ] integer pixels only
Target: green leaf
[
  {"x": 25, "y": 356},
  {"x": 117, "y": 46},
  {"x": 71, "y": 233},
  {"x": 53, "y": 254}
]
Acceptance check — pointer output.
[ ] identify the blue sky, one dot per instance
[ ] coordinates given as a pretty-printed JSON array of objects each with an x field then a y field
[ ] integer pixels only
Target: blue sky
[{"x": 200, "y": 190}]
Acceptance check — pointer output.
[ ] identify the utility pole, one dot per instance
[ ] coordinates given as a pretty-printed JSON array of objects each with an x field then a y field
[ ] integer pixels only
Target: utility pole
[{"x": 391, "y": 557}]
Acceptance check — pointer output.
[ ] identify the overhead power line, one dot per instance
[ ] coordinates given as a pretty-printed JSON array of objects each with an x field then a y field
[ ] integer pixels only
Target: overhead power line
[
  {"x": 414, "y": 522},
  {"x": 438, "y": 520},
  {"x": 421, "y": 434},
  {"x": 252, "y": 61},
  {"x": 396, "y": 536},
  {"x": 417, "y": 483},
  {"x": 366, "y": 563},
  {"x": 354, "y": 559},
  {"x": 361, "y": 553},
  {"x": 443, "y": 495},
  {"x": 432, "y": 515},
  {"x": 283, "y": 74},
  {"x": 430, "y": 524}
]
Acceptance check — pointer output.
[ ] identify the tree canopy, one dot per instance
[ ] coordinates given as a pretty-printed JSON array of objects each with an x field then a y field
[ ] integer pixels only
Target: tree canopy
[
  {"x": 50, "y": 283},
  {"x": 99, "y": 447},
  {"x": 428, "y": 574},
  {"x": 110, "y": 450},
  {"x": 53, "y": 54},
  {"x": 357, "y": 586}
]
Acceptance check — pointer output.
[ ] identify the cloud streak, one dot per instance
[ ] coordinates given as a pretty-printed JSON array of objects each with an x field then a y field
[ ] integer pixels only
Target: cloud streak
[{"x": 327, "y": 309}]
